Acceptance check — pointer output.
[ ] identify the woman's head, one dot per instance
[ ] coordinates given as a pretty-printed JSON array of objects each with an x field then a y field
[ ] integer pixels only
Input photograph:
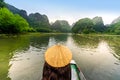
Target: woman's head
[
  {"x": 58, "y": 56},
  {"x": 57, "y": 63},
  {"x": 52, "y": 73}
]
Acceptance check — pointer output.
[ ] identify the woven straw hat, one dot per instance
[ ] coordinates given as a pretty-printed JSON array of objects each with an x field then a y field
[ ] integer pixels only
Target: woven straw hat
[{"x": 58, "y": 56}]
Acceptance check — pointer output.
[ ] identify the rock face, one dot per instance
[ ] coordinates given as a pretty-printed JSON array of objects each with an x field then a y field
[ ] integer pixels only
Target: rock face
[
  {"x": 114, "y": 27},
  {"x": 15, "y": 10},
  {"x": 98, "y": 24},
  {"x": 61, "y": 26},
  {"x": 116, "y": 20},
  {"x": 38, "y": 21},
  {"x": 84, "y": 25},
  {"x": 35, "y": 20}
]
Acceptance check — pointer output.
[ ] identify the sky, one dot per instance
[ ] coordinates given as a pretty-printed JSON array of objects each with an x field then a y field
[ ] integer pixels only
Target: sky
[{"x": 71, "y": 10}]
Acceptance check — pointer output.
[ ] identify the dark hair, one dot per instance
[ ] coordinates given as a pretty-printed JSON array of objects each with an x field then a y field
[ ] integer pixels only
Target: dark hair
[{"x": 60, "y": 73}]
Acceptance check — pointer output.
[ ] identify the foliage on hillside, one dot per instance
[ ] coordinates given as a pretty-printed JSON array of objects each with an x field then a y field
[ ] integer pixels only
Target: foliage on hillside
[
  {"x": 2, "y": 3},
  {"x": 61, "y": 26},
  {"x": 84, "y": 25},
  {"x": 10, "y": 23},
  {"x": 98, "y": 24},
  {"x": 114, "y": 28},
  {"x": 37, "y": 21},
  {"x": 18, "y": 21}
]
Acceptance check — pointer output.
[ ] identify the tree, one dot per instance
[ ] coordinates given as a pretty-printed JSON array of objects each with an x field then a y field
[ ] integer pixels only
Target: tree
[
  {"x": 98, "y": 24},
  {"x": 114, "y": 28},
  {"x": 6, "y": 20},
  {"x": 10, "y": 23},
  {"x": 21, "y": 24},
  {"x": 37, "y": 21},
  {"x": 2, "y": 3},
  {"x": 61, "y": 26},
  {"x": 84, "y": 25}
]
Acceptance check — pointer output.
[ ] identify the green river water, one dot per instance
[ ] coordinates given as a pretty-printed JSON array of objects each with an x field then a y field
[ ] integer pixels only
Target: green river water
[{"x": 22, "y": 57}]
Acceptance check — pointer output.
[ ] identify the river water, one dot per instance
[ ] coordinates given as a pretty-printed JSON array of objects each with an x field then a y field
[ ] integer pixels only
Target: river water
[{"x": 22, "y": 57}]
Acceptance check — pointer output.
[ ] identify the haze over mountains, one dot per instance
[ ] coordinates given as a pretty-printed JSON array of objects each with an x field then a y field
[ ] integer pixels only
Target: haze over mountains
[
  {"x": 24, "y": 14},
  {"x": 39, "y": 21},
  {"x": 116, "y": 20}
]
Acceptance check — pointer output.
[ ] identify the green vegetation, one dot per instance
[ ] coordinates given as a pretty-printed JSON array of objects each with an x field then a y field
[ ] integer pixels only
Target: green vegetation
[
  {"x": 8, "y": 45},
  {"x": 39, "y": 22},
  {"x": 14, "y": 21},
  {"x": 86, "y": 40},
  {"x": 92, "y": 42},
  {"x": 114, "y": 28},
  {"x": 98, "y": 25},
  {"x": 87, "y": 26},
  {"x": 83, "y": 26},
  {"x": 61, "y": 26},
  {"x": 2, "y": 3},
  {"x": 12, "y": 24}
]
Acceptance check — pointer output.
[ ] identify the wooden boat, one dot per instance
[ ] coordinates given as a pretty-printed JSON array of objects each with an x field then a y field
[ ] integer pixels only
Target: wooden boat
[{"x": 76, "y": 72}]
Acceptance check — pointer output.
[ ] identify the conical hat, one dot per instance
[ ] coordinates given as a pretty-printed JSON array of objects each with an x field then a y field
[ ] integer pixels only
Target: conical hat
[{"x": 58, "y": 56}]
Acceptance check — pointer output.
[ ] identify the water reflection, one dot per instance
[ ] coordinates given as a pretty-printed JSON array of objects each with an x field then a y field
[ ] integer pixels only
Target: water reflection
[
  {"x": 39, "y": 41},
  {"x": 26, "y": 65},
  {"x": 114, "y": 43},
  {"x": 60, "y": 37},
  {"x": 55, "y": 39},
  {"x": 93, "y": 54},
  {"x": 103, "y": 47},
  {"x": 96, "y": 57},
  {"x": 86, "y": 41},
  {"x": 7, "y": 47},
  {"x": 92, "y": 42}
]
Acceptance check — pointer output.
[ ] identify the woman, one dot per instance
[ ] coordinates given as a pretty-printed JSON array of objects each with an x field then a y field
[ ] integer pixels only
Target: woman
[{"x": 57, "y": 63}]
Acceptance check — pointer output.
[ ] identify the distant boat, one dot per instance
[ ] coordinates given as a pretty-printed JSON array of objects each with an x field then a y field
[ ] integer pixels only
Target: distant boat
[{"x": 76, "y": 72}]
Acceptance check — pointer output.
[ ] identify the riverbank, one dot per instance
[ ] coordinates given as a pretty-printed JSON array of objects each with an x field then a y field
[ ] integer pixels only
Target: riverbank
[
  {"x": 30, "y": 34},
  {"x": 97, "y": 34},
  {"x": 42, "y": 34}
]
